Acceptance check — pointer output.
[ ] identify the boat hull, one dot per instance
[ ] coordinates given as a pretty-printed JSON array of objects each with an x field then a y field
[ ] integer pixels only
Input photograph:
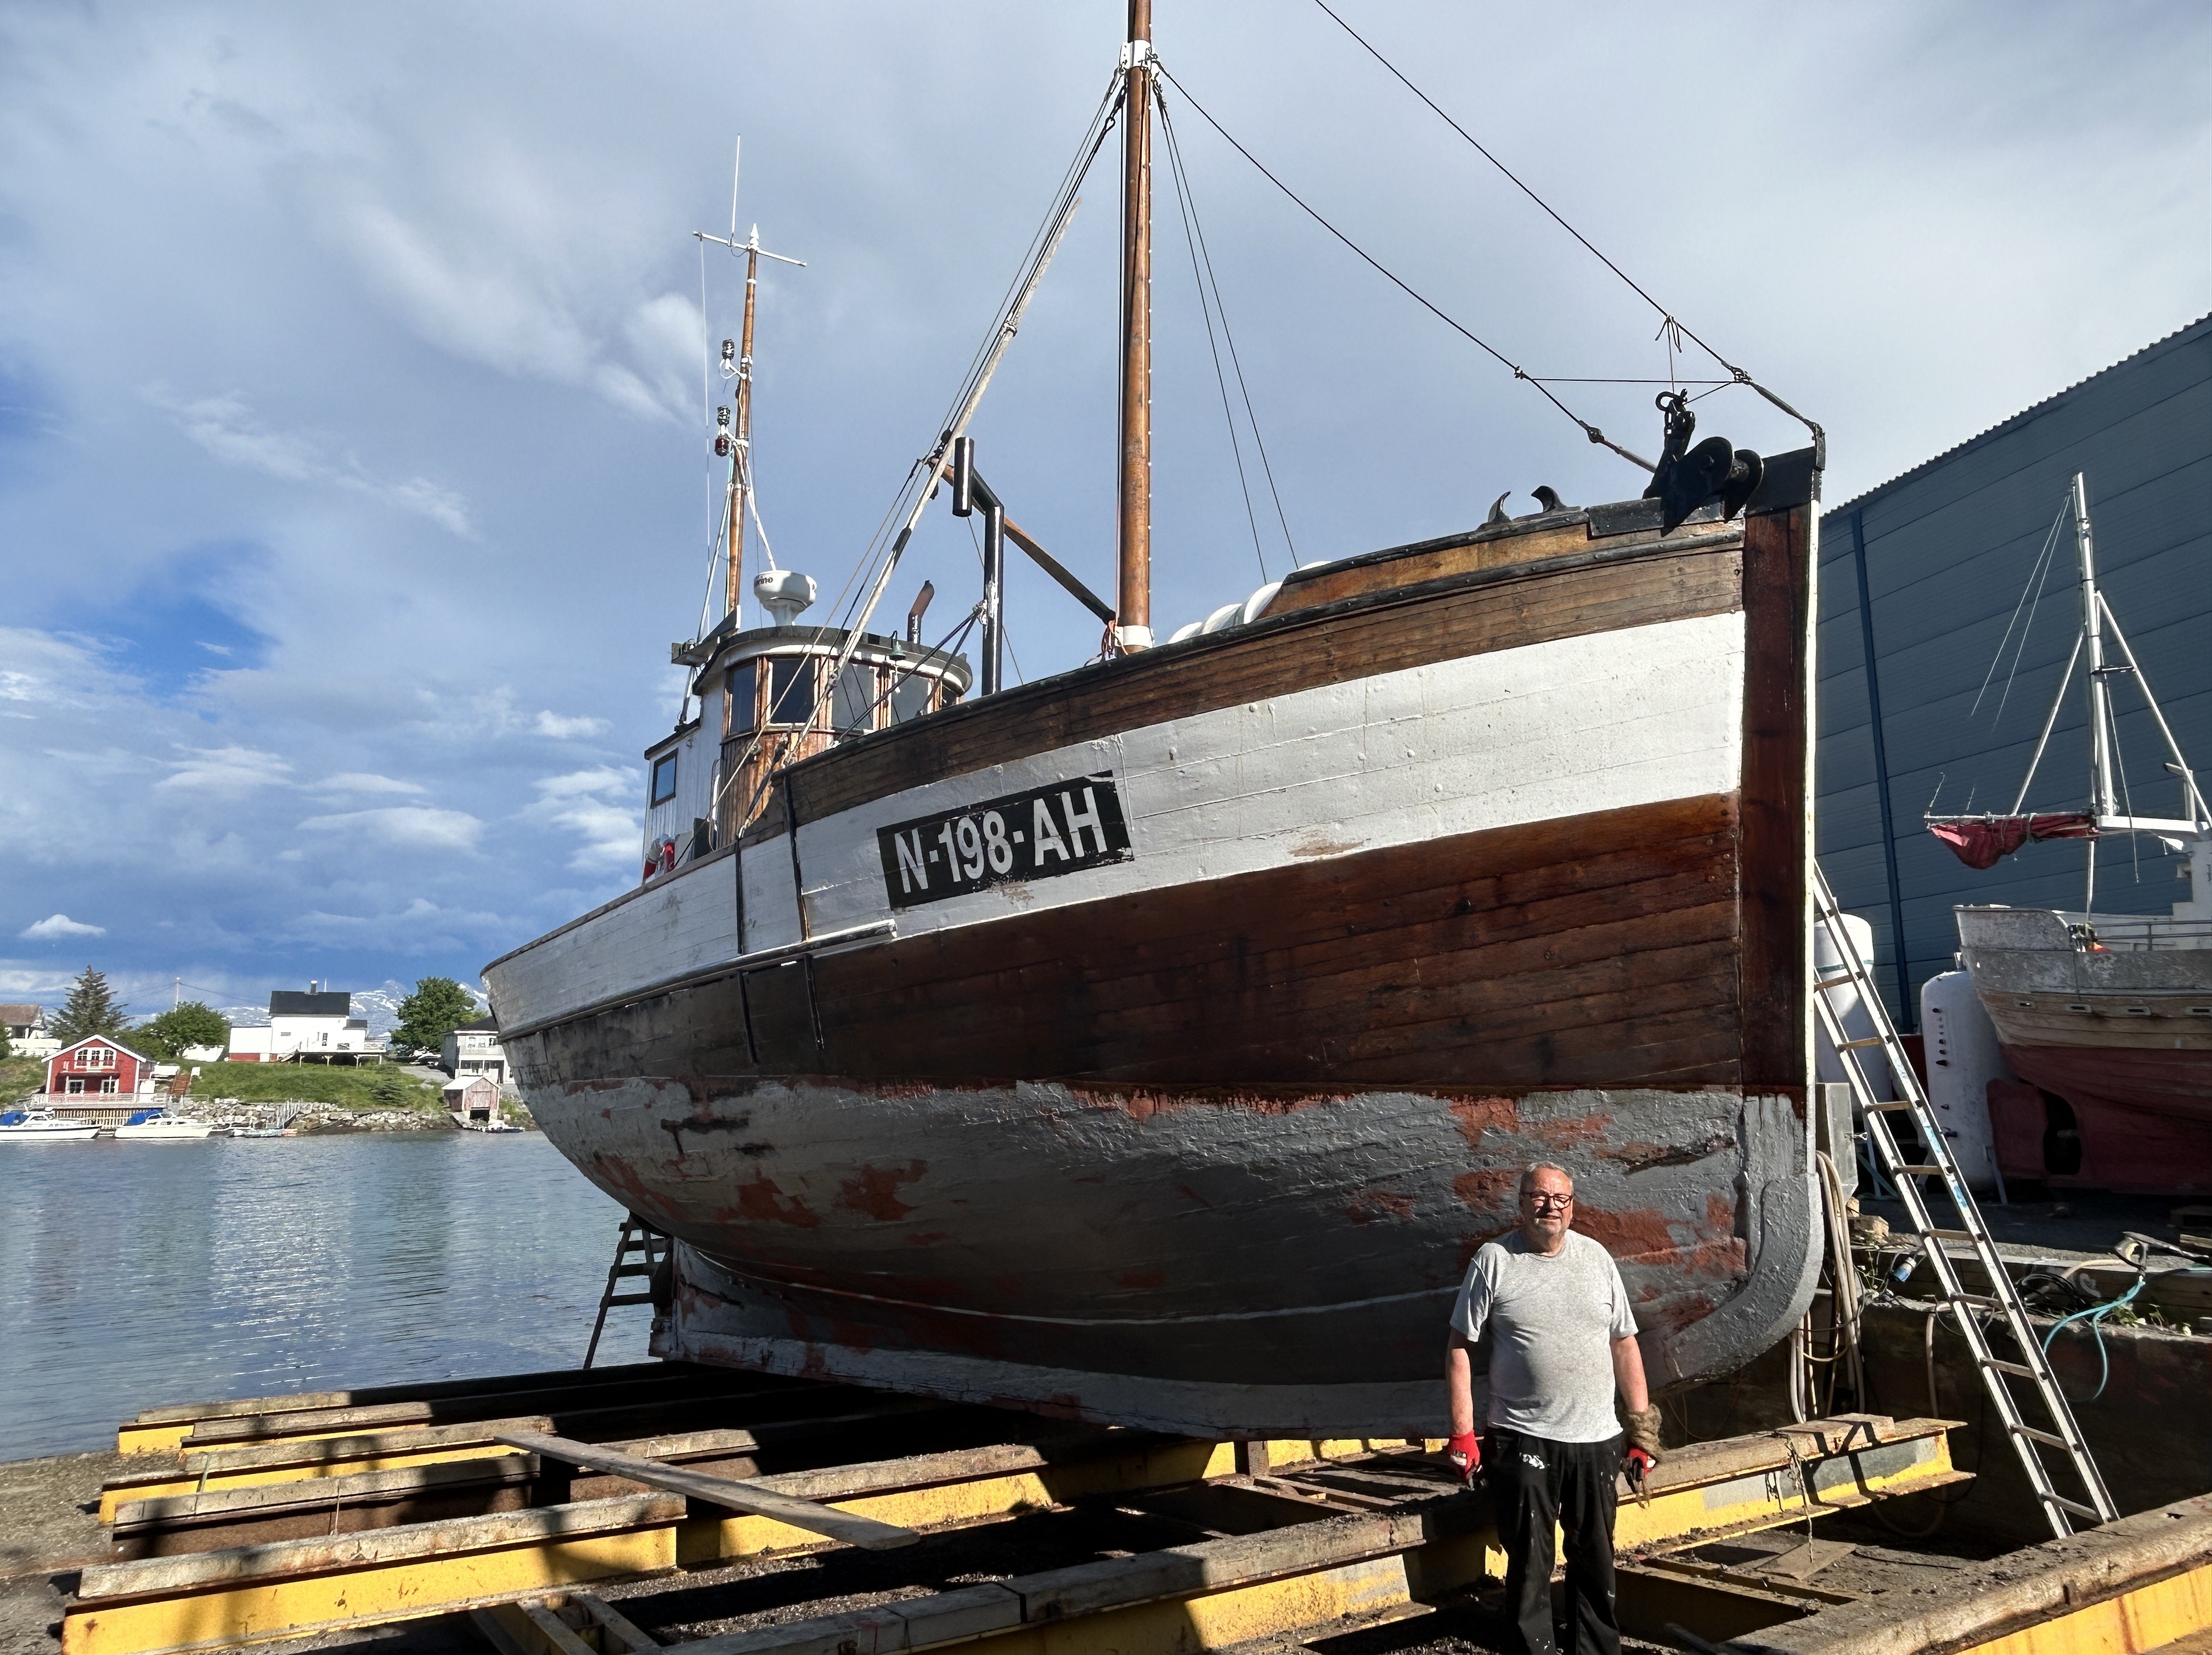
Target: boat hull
[
  {"x": 1219, "y": 1260},
  {"x": 1484, "y": 852}
]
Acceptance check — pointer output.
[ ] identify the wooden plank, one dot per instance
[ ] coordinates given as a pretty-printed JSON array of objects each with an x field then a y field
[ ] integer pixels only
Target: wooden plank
[
  {"x": 1776, "y": 898},
  {"x": 719, "y": 1491},
  {"x": 557, "y": 1398},
  {"x": 1325, "y": 964},
  {"x": 547, "y": 1525},
  {"x": 156, "y": 1428}
]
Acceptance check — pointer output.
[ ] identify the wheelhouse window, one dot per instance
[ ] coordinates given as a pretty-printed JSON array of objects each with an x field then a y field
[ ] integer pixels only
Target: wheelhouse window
[
  {"x": 852, "y": 711},
  {"x": 664, "y": 779},
  {"x": 910, "y": 697},
  {"x": 791, "y": 689},
  {"x": 741, "y": 690}
]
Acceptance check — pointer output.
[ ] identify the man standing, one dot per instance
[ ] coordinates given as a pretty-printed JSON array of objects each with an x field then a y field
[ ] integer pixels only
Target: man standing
[{"x": 1561, "y": 1340}]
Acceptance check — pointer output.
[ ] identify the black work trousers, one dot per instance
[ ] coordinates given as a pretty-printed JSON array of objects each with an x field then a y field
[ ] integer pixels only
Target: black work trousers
[{"x": 1536, "y": 1483}]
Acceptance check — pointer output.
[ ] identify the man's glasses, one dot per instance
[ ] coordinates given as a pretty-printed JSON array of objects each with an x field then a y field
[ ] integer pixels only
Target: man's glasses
[{"x": 1547, "y": 1203}]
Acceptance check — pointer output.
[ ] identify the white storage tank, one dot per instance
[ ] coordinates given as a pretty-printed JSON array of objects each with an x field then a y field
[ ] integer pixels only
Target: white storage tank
[
  {"x": 1849, "y": 1009},
  {"x": 1963, "y": 1058}
]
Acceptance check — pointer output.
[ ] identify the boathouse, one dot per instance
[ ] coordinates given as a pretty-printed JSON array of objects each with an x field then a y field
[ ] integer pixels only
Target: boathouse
[{"x": 472, "y": 1099}]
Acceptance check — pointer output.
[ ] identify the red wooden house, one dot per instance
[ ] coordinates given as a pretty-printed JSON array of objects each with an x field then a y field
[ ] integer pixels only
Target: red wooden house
[{"x": 98, "y": 1065}]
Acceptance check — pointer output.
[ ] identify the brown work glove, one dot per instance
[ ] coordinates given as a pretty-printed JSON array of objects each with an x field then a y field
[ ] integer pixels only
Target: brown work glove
[{"x": 1642, "y": 1431}]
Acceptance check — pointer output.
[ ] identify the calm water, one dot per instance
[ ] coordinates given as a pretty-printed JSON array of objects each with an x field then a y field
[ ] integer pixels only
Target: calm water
[{"x": 134, "y": 1274}]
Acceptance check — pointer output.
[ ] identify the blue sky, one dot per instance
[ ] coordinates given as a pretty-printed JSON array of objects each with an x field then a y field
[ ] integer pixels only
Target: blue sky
[{"x": 353, "y": 480}]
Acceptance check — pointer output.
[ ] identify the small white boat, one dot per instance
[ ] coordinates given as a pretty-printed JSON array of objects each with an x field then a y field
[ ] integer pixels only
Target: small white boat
[
  {"x": 44, "y": 1125},
  {"x": 157, "y": 1125}
]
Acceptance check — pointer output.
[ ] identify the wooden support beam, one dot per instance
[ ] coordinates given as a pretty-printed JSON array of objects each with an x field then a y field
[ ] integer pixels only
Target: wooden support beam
[
  {"x": 156, "y": 1428},
  {"x": 732, "y": 1496}
]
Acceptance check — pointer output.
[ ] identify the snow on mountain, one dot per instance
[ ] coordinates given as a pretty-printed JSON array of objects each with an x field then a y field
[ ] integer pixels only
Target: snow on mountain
[{"x": 379, "y": 1006}]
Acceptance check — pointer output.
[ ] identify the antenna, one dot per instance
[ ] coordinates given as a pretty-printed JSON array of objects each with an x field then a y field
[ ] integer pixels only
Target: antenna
[{"x": 738, "y": 445}]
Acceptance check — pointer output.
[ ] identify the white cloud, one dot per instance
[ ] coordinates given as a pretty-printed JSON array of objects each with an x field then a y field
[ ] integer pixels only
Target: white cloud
[
  {"x": 61, "y": 925},
  {"x": 363, "y": 782},
  {"x": 572, "y": 802},
  {"x": 226, "y": 770},
  {"x": 227, "y": 428},
  {"x": 603, "y": 778},
  {"x": 415, "y": 827},
  {"x": 561, "y": 729}
]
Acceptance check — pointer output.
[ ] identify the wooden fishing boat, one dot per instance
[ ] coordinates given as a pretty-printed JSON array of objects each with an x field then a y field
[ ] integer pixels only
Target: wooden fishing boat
[
  {"x": 2106, "y": 1018},
  {"x": 1155, "y": 1042}
]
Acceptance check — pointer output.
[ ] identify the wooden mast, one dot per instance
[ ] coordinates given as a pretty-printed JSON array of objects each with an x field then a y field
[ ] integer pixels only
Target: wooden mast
[
  {"x": 1134, "y": 569},
  {"x": 741, "y": 457}
]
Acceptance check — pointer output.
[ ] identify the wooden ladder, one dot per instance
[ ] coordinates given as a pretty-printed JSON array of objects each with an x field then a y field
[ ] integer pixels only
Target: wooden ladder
[
  {"x": 1936, "y": 1162},
  {"x": 639, "y": 1252}
]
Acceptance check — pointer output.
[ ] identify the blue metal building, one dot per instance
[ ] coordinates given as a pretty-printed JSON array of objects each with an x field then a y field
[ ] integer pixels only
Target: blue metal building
[{"x": 1920, "y": 580}]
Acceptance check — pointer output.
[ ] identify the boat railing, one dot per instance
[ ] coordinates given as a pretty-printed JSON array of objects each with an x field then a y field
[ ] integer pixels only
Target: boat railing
[{"x": 2144, "y": 933}]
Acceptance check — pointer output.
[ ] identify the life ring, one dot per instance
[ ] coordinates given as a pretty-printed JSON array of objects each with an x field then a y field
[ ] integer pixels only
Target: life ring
[{"x": 663, "y": 859}]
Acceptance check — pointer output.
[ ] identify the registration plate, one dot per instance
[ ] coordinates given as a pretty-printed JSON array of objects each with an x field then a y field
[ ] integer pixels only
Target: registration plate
[{"x": 1063, "y": 827}]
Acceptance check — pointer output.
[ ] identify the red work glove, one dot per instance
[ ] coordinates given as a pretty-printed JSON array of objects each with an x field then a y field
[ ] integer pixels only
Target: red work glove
[
  {"x": 1465, "y": 1454},
  {"x": 1636, "y": 1462}
]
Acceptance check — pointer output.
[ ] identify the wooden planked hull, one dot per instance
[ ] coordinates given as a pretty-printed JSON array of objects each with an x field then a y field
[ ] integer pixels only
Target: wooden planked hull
[{"x": 1463, "y": 860}]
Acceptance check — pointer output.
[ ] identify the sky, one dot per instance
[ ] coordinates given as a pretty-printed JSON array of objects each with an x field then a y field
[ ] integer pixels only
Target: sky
[{"x": 354, "y": 464}]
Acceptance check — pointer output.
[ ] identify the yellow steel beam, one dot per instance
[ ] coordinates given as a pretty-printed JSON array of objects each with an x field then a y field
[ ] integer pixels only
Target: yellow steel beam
[
  {"x": 2147, "y": 1618},
  {"x": 296, "y": 1588},
  {"x": 375, "y": 1577}
]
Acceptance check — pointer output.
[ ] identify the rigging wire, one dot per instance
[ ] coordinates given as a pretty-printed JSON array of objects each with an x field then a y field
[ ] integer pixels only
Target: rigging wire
[
  {"x": 925, "y": 472},
  {"x": 2037, "y": 572},
  {"x": 1519, "y": 373},
  {"x": 1669, "y": 324},
  {"x": 1229, "y": 336},
  {"x": 1212, "y": 345}
]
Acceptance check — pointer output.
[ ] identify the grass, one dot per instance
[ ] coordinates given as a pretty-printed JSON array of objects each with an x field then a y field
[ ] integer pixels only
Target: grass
[
  {"x": 20, "y": 1075},
  {"x": 315, "y": 1083}
]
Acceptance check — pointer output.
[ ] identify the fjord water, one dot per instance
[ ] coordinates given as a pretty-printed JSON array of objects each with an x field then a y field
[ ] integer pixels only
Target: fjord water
[{"x": 136, "y": 1274}]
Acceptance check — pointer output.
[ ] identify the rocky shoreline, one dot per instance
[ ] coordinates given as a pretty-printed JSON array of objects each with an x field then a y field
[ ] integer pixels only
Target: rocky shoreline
[{"x": 316, "y": 1118}]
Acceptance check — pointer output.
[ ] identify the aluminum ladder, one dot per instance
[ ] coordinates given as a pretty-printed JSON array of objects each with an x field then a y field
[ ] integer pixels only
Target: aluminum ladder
[
  {"x": 640, "y": 1251},
  {"x": 2003, "y": 1299}
]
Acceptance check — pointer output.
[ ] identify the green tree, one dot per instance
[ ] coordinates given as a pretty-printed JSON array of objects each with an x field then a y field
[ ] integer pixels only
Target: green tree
[
  {"x": 437, "y": 1008},
  {"x": 191, "y": 1024},
  {"x": 92, "y": 1009}
]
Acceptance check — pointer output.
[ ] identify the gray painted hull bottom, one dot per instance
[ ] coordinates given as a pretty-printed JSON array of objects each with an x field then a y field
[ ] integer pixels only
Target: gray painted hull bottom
[{"x": 1219, "y": 1262}]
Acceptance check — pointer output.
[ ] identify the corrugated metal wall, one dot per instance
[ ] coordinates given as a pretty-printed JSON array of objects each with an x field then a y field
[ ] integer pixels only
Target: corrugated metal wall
[{"x": 1943, "y": 554}]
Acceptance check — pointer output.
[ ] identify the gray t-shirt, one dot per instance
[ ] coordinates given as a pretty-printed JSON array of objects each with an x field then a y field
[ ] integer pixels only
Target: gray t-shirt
[{"x": 1552, "y": 1322}]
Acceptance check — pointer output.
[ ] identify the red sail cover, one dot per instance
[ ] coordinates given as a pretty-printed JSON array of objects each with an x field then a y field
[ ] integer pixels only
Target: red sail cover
[{"x": 1980, "y": 841}]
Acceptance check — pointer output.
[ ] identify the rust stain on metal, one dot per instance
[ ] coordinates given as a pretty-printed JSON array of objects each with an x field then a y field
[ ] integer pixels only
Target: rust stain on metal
[
  {"x": 1637, "y": 1156},
  {"x": 1475, "y": 1116},
  {"x": 1141, "y": 1281},
  {"x": 762, "y": 1201},
  {"x": 875, "y": 1191},
  {"x": 1489, "y": 1188},
  {"x": 1640, "y": 1234},
  {"x": 929, "y": 1237}
]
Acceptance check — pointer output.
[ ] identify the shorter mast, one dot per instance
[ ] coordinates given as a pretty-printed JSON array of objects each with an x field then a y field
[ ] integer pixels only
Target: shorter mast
[
  {"x": 739, "y": 443},
  {"x": 741, "y": 470}
]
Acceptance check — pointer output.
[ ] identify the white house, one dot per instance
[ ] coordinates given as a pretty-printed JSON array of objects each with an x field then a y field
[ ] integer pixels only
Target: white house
[
  {"x": 315, "y": 1027},
  {"x": 27, "y": 1030},
  {"x": 472, "y": 1049}
]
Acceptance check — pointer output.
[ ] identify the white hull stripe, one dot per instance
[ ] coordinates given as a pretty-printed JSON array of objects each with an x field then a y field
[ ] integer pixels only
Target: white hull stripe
[{"x": 1544, "y": 733}]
